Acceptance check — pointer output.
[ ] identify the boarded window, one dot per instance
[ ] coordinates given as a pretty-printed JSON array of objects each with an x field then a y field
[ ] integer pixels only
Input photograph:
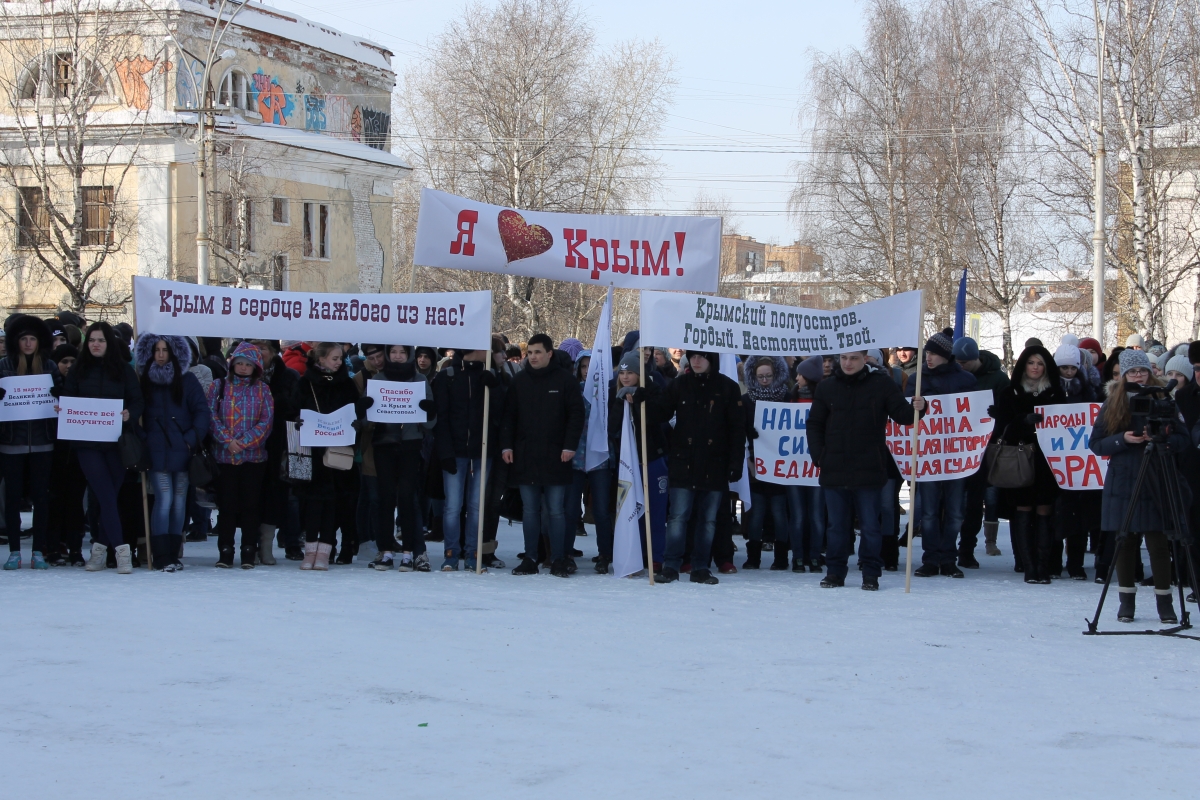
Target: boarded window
[
  {"x": 316, "y": 230},
  {"x": 280, "y": 213},
  {"x": 97, "y": 216},
  {"x": 34, "y": 218}
]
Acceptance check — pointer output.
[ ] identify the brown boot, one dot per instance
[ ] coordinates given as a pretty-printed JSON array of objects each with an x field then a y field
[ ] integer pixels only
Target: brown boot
[
  {"x": 989, "y": 538},
  {"x": 310, "y": 556},
  {"x": 322, "y": 560}
]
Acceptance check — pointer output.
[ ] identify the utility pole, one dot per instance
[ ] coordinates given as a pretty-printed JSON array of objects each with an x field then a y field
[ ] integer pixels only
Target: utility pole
[{"x": 1098, "y": 237}]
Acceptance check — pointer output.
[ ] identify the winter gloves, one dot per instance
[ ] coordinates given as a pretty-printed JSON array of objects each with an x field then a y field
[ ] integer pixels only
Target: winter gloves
[
  {"x": 490, "y": 380},
  {"x": 450, "y": 466},
  {"x": 427, "y": 406}
]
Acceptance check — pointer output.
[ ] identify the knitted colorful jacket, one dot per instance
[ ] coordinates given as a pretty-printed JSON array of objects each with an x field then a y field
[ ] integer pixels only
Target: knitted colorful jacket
[{"x": 242, "y": 411}]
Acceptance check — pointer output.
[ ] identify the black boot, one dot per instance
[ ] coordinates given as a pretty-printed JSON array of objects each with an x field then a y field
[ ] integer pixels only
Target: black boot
[
  {"x": 1125, "y": 611},
  {"x": 1021, "y": 529},
  {"x": 1166, "y": 608},
  {"x": 1014, "y": 538},
  {"x": 175, "y": 550},
  {"x": 753, "y": 555},
  {"x": 1044, "y": 556},
  {"x": 225, "y": 560},
  {"x": 160, "y": 548},
  {"x": 249, "y": 554},
  {"x": 780, "y": 562}
]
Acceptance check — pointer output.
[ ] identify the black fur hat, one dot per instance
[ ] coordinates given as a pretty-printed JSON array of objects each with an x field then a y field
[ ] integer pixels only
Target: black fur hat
[{"x": 19, "y": 325}]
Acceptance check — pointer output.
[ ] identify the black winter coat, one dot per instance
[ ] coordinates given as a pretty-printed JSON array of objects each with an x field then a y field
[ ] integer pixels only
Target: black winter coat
[
  {"x": 323, "y": 392},
  {"x": 1124, "y": 459},
  {"x": 707, "y": 448},
  {"x": 458, "y": 393},
  {"x": 1012, "y": 410},
  {"x": 543, "y": 416},
  {"x": 948, "y": 378},
  {"x": 847, "y": 427},
  {"x": 94, "y": 381},
  {"x": 656, "y": 441},
  {"x": 38, "y": 433},
  {"x": 283, "y": 384}
]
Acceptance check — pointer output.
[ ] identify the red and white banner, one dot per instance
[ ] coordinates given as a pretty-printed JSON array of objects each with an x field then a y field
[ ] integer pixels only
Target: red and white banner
[
  {"x": 1063, "y": 435},
  {"x": 444, "y": 319},
  {"x": 954, "y": 434},
  {"x": 679, "y": 254},
  {"x": 781, "y": 449}
]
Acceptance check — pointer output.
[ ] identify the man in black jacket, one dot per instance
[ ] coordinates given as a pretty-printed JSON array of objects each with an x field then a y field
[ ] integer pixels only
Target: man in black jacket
[
  {"x": 458, "y": 441},
  {"x": 707, "y": 452},
  {"x": 846, "y": 439},
  {"x": 543, "y": 420},
  {"x": 276, "y": 495}
]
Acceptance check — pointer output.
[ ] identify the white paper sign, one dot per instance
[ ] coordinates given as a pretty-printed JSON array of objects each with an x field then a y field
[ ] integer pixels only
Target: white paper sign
[
  {"x": 86, "y": 419},
  {"x": 725, "y": 325},
  {"x": 328, "y": 430},
  {"x": 781, "y": 449},
  {"x": 396, "y": 401},
  {"x": 27, "y": 397},
  {"x": 451, "y": 319},
  {"x": 644, "y": 252},
  {"x": 1063, "y": 436},
  {"x": 954, "y": 434}
]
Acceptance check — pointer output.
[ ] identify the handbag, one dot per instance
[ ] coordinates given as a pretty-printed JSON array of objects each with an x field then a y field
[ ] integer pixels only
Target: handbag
[
  {"x": 202, "y": 467},
  {"x": 296, "y": 466},
  {"x": 1010, "y": 466},
  {"x": 133, "y": 452},
  {"x": 340, "y": 457}
]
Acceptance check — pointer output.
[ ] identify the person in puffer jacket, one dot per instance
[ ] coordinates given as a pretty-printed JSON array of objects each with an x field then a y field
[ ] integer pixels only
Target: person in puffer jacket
[
  {"x": 243, "y": 412},
  {"x": 174, "y": 423},
  {"x": 27, "y": 444}
]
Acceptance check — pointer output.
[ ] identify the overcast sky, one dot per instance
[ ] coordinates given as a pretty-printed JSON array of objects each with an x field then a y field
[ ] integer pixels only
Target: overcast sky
[{"x": 741, "y": 67}]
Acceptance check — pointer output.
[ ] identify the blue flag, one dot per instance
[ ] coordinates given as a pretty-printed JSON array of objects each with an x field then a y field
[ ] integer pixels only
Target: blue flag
[{"x": 960, "y": 309}]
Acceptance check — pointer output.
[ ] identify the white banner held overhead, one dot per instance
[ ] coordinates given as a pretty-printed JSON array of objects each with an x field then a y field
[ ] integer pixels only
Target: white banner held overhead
[
  {"x": 955, "y": 432},
  {"x": 396, "y": 401},
  {"x": 595, "y": 389},
  {"x": 781, "y": 449},
  {"x": 85, "y": 419},
  {"x": 27, "y": 397},
  {"x": 643, "y": 252},
  {"x": 1063, "y": 436},
  {"x": 725, "y": 325},
  {"x": 444, "y": 319},
  {"x": 328, "y": 430}
]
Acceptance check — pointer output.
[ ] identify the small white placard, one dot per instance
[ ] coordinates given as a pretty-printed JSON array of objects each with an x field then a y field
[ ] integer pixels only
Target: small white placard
[
  {"x": 88, "y": 419},
  {"x": 27, "y": 397},
  {"x": 396, "y": 401},
  {"x": 328, "y": 430}
]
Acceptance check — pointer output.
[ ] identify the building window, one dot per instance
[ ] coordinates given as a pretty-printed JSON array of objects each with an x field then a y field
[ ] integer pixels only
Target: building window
[
  {"x": 55, "y": 75},
  {"x": 237, "y": 233},
  {"x": 281, "y": 212},
  {"x": 316, "y": 230},
  {"x": 33, "y": 220},
  {"x": 236, "y": 92},
  {"x": 97, "y": 216},
  {"x": 774, "y": 266},
  {"x": 279, "y": 272}
]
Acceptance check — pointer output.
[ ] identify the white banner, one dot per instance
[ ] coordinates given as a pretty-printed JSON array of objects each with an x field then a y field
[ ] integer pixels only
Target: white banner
[
  {"x": 954, "y": 434},
  {"x": 742, "y": 486},
  {"x": 328, "y": 430},
  {"x": 646, "y": 252},
  {"x": 1064, "y": 435},
  {"x": 396, "y": 401},
  {"x": 595, "y": 389},
  {"x": 781, "y": 449},
  {"x": 445, "y": 319},
  {"x": 27, "y": 397},
  {"x": 86, "y": 419},
  {"x": 627, "y": 547},
  {"x": 725, "y": 325}
]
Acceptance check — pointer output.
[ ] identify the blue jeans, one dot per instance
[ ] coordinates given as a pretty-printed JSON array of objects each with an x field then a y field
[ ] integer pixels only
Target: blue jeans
[
  {"x": 943, "y": 504},
  {"x": 841, "y": 504},
  {"x": 680, "y": 503},
  {"x": 777, "y": 503},
  {"x": 462, "y": 485},
  {"x": 170, "y": 502},
  {"x": 806, "y": 507},
  {"x": 551, "y": 500},
  {"x": 601, "y": 482}
]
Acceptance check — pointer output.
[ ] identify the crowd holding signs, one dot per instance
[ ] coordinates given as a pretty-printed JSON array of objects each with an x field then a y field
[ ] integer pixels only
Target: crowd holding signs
[{"x": 1063, "y": 436}]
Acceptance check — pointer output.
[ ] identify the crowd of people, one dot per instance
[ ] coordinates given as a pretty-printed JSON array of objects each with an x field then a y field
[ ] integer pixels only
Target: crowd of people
[{"x": 219, "y": 422}]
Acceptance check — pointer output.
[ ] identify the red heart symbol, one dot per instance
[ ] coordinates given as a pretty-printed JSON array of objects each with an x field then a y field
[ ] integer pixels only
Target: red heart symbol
[{"x": 522, "y": 240}]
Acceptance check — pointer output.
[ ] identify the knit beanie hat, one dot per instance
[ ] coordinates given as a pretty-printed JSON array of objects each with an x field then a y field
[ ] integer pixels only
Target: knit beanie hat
[
  {"x": 1033, "y": 341},
  {"x": 713, "y": 363},
  {"x": 1156, "y": 350},
  {"x": 67, "y": 351},
  {"x": 1135, "y": 340},
  {"x": 1132, "y": 359},
  {"x": 812, "y": 369},
  {"x": 1179, "y": 364},
  {"x": 1094, "y": 346},
  {"x": 942, "y": 343},
  {"x": 877, "y": 355},
  {"x": 1067, "y": 355},
  {"x": 966, "y": 349},
  {"x": 1070, "y": 338},
  {"x": 630, "y": 362}
]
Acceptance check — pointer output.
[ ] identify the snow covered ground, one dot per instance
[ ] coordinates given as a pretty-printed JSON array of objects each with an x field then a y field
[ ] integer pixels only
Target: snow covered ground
[{"x": 277, "y": 683}]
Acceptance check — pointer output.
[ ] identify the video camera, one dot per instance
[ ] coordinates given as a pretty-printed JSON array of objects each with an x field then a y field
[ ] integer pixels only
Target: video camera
[{"x": 1153, "y": 411}]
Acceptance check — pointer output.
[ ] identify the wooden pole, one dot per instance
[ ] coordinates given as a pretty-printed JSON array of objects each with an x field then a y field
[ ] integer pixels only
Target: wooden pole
[
  {"x": 912, "y": 478},
  {"x": 145, "y": 499},
  {"x": 645, "y": 472},
  {"x": 487, "y": 404}
]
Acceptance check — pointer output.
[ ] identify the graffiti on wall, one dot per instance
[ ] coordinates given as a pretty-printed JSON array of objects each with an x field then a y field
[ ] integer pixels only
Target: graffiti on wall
[
  {"x": 274, "y": 104},
  {"x": 132, "y": 74},
  {"x": 314, "y": 112},
  {"x": 375, "y": 125},
  {"x": 333, "y": 115},
  {"x": 186, "y": 81}
]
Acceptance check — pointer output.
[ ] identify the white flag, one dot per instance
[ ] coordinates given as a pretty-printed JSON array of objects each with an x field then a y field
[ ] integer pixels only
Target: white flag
[
  {"x": 742, "y": 487},
  {"x": 627, "y": 546},
  {"x": 595, "y": 389}
]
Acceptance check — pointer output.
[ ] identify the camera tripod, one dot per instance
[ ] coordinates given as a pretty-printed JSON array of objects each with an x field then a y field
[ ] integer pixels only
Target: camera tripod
[{"x": 1166, "y": 488}]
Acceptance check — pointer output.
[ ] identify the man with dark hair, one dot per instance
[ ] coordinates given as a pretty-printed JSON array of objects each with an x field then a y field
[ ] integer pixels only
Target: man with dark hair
[
  {"x": 543, "y": 420},
  {"x": 846, "y": 438},
  {"x": 706, "y": 453}
]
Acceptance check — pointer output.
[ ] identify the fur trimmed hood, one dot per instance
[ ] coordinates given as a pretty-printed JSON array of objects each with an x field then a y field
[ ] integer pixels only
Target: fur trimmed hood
[
  {"x": 20, "y": 324},
  {"x": 143, "y": 350}
]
